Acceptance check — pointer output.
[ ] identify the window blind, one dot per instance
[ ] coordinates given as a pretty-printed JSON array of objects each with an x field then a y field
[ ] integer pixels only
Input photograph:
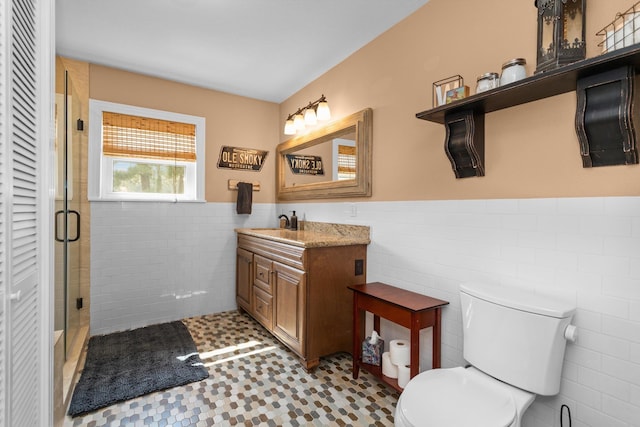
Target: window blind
[
  {"x": 125, "y": 135},
  {"x": 346, "y": 161}
]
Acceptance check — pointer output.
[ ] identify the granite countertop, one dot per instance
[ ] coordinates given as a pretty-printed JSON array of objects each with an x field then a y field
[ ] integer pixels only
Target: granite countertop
[{"x": 314, "y": 234}]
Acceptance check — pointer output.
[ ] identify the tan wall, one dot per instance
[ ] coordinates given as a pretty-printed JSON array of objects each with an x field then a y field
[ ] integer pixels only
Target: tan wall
[
  {"x": 530, "y": 150},
  {"x": 230, "y": 120}
]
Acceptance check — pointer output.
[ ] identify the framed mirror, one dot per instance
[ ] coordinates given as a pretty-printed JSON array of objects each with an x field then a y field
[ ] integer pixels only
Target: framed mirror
[{"x": 332, "y": 161}]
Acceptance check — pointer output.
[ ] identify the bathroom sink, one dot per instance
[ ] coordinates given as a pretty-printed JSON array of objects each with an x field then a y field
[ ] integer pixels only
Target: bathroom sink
[
  {"x": 277, "y": 232},
  {"x": 282, "y": 234},
  {"x": 266, "y": 228}
]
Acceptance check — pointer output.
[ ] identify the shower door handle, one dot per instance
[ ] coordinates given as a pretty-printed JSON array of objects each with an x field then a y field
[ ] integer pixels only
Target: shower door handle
[
  {"x": 56, "y": 226},
  {"x": 77, "y": 214},
  {"x": 61, "y": 212}
]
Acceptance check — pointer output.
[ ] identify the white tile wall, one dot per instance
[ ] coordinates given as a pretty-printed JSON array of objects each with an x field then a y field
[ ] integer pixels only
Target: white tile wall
[
  {"x": 582, "y": 250},
  {"x": 157, "y": 262}
]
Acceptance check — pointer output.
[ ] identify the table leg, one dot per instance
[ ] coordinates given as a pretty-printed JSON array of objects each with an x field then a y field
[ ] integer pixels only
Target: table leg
[
  {"x": 415, "y": 345},
  {"x": 437, "y": 335},
  {"x": 376, "y": 324},
  {"x": 357, "y": 336}
]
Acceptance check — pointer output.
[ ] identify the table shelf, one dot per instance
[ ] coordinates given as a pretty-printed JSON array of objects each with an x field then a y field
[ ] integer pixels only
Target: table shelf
[{"x": 376, "y": 371}]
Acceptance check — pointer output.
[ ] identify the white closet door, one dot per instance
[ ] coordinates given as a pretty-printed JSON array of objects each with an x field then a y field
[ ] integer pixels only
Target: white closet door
[
  {"x": 23, "y": 304},
  {"x": 4, "y": 198},
  {"x": 24, "y": 114}
]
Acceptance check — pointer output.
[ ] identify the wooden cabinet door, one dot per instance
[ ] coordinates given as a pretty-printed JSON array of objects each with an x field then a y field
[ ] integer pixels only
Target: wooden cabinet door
[
  {"x": 244, "y": 278},
  {"x": 290, "y": 299}
]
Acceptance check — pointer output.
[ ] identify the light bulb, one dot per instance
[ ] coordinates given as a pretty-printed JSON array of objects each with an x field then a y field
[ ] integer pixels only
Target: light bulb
[
  {"x": 310, "y": 118},
  {"x": 298, "y": 122},
  {"x": 323, "y": 112},
  {"x": 289, "y": 127}
]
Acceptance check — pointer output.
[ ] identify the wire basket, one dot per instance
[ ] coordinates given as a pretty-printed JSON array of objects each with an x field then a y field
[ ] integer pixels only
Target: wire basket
[{"x": 623, "y": 31}]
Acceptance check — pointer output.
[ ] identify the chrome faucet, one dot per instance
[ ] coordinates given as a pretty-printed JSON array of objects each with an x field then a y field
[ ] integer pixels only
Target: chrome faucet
[{"x": 286, "y": 220}]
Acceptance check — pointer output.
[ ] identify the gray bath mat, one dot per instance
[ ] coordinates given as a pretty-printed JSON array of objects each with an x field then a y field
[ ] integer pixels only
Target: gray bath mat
[{"x": 129, "y": 364}]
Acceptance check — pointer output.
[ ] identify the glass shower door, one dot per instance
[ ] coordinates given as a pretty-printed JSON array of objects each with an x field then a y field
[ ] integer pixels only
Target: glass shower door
[{"x": 67, "y": 202}]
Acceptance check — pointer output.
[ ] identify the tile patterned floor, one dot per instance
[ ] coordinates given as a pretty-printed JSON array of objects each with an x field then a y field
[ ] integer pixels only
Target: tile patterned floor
[{"x": 255, "y": 381}]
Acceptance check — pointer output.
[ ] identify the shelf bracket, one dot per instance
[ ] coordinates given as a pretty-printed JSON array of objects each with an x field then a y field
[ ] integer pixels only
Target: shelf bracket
[
  {"x": 464, "y": 142},
  {"x": 604, "y": 118}
]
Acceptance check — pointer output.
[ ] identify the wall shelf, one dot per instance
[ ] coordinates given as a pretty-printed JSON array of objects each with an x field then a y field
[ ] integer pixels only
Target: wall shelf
[
  {"x": 464, "y": 119},
  {"x": 536, "y": 87}
]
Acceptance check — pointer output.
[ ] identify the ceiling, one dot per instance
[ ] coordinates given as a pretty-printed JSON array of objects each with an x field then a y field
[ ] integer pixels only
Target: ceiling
[{"x": 262, "y": 49}]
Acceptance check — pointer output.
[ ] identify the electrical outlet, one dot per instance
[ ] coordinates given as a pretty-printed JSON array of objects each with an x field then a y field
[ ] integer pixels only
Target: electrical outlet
[{"x": 359, "y": 267}]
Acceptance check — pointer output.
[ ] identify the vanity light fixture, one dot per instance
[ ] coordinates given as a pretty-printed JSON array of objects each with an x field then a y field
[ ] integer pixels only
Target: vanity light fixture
[
  {"x": 323, "y": 112},
  {"x": 317, "y": 110},
  {"x": 298, "y": 122},
  {"x": 310, "y": 118}
]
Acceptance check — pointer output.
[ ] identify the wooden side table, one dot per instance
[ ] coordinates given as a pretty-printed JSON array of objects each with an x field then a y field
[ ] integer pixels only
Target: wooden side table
[{"x": 409, "y": 309}]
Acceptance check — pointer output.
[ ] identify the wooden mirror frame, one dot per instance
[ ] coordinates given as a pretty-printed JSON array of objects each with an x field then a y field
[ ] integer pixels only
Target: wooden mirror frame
[{"x": 362, "y": 122}]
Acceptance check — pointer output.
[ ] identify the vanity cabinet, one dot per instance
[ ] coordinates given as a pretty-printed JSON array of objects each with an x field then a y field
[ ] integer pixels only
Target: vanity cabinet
[{"x": 299, "y": 293}]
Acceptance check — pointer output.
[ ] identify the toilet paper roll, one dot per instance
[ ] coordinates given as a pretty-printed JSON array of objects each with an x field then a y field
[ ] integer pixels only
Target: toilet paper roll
[
  {"x": 404, "y": 375},
  {"x": 388, "y": 368},
  {"x": 400, "y": 352}
]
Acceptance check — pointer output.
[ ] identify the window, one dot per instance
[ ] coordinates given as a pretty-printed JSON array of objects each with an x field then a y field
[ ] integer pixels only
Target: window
[
  {"x": 142, "y": 154},
  {"x": 345, "y": 160}
]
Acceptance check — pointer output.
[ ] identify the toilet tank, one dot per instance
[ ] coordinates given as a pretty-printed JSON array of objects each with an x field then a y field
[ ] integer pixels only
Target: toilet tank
[{"x": 514, "y": 335}]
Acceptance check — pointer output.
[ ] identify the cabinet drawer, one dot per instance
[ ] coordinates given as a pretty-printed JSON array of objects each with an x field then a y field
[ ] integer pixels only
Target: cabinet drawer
[
  {"x": 262, "y": 274},
  {"x": 263, "y": 307}
]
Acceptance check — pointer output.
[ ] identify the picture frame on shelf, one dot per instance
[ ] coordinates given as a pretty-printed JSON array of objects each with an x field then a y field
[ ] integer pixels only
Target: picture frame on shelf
[
  {"x": 441, "y": 87},
  {"x": 456, "y": 94}
]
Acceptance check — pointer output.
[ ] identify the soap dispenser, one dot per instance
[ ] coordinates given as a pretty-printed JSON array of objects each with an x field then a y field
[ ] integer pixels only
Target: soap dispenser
[{"x": 294, "y": 221}]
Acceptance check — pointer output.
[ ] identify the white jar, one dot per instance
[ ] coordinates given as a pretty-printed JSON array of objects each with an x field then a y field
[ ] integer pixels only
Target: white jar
[
  {"x": 512, "y": 71},
  {"x": 487, "y": 81}
]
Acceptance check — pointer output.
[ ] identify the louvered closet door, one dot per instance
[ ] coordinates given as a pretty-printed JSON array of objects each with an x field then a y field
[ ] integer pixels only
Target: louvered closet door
[
  {"x": 3, "y": 212},
  {"x": 23, "y": 106}
]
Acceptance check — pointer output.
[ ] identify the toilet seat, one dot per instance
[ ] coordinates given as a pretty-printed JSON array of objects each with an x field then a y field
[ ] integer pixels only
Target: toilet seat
[{"x": 456, "y": 397}]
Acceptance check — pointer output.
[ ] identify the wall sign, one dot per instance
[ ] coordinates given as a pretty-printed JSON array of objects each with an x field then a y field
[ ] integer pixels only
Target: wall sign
[
  {"x": 241, "y": 158},
  {"x": 305, "y": 165}
]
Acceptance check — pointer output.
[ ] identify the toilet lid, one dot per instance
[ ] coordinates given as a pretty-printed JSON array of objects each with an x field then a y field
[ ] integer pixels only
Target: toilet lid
[{"x": 456, "y": 397}]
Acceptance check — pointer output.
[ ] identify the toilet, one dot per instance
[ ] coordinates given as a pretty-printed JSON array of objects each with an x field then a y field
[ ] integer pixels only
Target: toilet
[{"x": 514, "y": 342}]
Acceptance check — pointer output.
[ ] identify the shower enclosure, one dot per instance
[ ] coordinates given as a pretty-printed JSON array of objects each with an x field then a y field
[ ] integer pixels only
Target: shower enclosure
[{"x": 68, "y": 149}]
